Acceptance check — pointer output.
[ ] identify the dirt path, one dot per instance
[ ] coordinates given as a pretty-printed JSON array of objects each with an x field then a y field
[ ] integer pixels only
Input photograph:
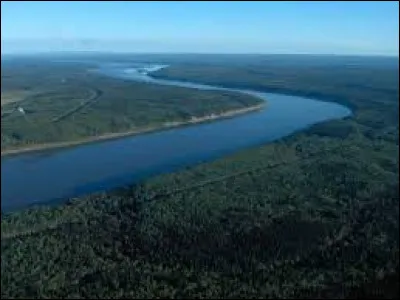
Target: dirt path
[{"x": 95, "y": 95}]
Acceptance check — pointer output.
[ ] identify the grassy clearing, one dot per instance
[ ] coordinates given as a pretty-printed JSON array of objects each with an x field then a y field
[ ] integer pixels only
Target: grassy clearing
[{"x": 13, "y": 97}]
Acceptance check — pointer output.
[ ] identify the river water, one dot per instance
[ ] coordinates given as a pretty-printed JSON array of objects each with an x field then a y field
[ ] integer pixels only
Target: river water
[{"x": 52, "y": 176}]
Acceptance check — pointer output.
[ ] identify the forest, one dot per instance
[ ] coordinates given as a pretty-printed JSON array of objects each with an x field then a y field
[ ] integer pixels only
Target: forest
[
  {"x": 64, "y": 102},
  {"x": 313, "y": 215}
]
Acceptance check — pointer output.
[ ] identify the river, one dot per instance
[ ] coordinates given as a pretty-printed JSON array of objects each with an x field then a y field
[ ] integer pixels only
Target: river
[{"x": 52, "y": 176}]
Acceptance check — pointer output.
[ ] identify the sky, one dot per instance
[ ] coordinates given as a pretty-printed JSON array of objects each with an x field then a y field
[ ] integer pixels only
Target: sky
[{"x": 281, "y": 27}]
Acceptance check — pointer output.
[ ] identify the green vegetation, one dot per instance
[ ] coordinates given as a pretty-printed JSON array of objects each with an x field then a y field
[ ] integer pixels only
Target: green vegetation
[
  {"x": 369, "y": 85},
  {"x": 315, "y": 215},
  {"x": 66, "y": 103}
]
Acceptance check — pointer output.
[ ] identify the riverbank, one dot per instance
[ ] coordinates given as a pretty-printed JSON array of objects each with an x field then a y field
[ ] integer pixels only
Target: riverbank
[{"x": 110, "y": 136}]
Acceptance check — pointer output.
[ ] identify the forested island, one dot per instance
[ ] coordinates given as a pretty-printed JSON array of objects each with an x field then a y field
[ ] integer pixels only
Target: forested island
[{"x": 46, "y": 104}]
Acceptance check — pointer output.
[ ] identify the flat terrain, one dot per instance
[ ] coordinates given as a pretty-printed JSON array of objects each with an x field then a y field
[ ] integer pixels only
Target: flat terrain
[
  {"x": 13, "y": 96},
  {"x": 64, "y": 103},
  {"x": 314, "y": 215}
]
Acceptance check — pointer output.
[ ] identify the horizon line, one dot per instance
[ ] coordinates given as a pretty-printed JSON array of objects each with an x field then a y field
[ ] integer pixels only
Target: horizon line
[{"x": 35, "y": 53}]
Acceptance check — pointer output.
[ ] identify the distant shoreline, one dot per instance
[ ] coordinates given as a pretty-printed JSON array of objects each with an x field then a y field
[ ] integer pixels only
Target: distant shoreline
[{"x": 117, "y": 135}]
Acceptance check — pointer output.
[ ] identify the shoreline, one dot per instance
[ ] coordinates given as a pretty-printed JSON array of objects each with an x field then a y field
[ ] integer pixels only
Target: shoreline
[{"x": 117, "y": 135}]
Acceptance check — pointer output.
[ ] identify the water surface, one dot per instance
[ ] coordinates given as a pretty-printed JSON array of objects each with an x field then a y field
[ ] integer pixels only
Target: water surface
[{"x": 42, "y": 177}]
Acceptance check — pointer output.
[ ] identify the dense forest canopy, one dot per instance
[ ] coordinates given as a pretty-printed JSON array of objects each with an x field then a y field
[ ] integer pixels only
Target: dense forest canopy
[{"x": 313, "y": 215}]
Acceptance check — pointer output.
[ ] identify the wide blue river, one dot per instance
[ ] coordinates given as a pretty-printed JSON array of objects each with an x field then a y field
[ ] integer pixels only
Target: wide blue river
[{"x": 51, "y": 176}]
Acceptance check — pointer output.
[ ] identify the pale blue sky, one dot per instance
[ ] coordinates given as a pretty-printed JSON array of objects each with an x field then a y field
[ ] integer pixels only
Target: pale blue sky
[{"x": 365, "y": 28}]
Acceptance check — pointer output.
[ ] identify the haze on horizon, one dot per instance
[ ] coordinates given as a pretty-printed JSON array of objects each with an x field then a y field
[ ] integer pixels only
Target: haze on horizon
[{"x": 341, "y": 28}]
